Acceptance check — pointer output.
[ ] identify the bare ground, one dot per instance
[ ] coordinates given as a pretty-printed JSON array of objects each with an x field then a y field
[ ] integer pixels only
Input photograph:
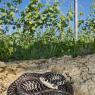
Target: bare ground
[{"x": 81, "y": 70}]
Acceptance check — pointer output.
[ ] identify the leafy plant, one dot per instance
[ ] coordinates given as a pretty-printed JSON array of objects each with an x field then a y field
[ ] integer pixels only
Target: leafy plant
[{"x": 43, "y": 31}]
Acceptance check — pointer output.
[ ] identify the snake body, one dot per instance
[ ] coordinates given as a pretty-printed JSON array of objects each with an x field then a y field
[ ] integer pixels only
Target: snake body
[
  {"x": 12, "y": 89},
  {"x": 53, "y": 78},
  {"x": 37, "y": 84}
]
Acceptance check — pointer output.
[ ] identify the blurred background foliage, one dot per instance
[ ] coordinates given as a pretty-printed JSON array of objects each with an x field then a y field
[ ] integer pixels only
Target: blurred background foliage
[{"x": 43, "y": 31}]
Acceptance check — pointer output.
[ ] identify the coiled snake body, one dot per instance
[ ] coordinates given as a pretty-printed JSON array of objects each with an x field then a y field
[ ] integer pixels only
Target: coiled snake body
[
  {"x": 40, "y": 84},
  {"x": 12, "y": 89}
]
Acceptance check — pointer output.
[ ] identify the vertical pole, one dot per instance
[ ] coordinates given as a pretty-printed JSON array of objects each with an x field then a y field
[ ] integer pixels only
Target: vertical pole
[
  {"x": 0, "y": 28},
  {"x": 76, "y": 19}
]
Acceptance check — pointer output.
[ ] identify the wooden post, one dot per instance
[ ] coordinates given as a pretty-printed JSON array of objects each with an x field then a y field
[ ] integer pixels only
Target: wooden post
[{"x": 76, "y": 19}]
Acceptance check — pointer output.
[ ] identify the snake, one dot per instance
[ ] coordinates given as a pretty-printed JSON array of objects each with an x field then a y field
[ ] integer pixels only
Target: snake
[
  {"x": 48, "y": 83},
  {"x": 12, "y": 89}
]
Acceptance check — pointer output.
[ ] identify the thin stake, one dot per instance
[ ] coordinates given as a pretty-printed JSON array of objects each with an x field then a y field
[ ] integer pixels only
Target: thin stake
[{"x": 76, "y": 19}]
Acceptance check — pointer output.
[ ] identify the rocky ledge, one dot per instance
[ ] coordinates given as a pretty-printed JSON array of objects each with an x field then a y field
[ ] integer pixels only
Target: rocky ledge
[{"x": 79, "y": 70}]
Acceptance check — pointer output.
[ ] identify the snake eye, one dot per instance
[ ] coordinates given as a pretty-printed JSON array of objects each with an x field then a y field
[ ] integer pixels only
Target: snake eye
[{"x": 45, "y": 79}]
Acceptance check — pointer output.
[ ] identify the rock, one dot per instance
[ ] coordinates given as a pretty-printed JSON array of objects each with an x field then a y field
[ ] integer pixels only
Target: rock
[
  {"x": 1, "y": 69},
  {"x": 2, "y": 88},
  {"x": 2, "y": 64}
]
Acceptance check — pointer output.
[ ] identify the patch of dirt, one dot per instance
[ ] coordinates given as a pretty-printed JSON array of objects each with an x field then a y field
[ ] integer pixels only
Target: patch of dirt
[{"x": 80, "y": 70}]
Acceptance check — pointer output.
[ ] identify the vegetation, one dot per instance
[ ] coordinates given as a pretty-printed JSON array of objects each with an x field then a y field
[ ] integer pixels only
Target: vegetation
[{"x": 42, "y": 31}]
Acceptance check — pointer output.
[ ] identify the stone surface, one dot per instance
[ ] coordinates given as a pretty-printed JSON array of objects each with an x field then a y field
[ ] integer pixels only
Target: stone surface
[{"x": 80, "y": 70}]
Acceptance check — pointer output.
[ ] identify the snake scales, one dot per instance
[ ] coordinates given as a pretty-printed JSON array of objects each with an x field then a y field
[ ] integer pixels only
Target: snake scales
[{"x": 48, "y": 83}]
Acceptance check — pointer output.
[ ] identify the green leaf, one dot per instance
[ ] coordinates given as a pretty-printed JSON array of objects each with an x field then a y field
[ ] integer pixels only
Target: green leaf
[
  {"x": 8, "y": 4},
  {"x": 63, "y": 18},
  {"x": 33, "y": 28},
  {"x": 1, "y": 21},
  {"x": 4, "y": 14},
  {"x": 2, "y": 9},
  {"x": 81, "y": 13},
  {"x": 19, "y": 1},
  {"x": 11, "y": 13},
  {"x": 18, "y": 26},
  {"x": 30, "y": 22},
  {"x": 40, "y": 5}
]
